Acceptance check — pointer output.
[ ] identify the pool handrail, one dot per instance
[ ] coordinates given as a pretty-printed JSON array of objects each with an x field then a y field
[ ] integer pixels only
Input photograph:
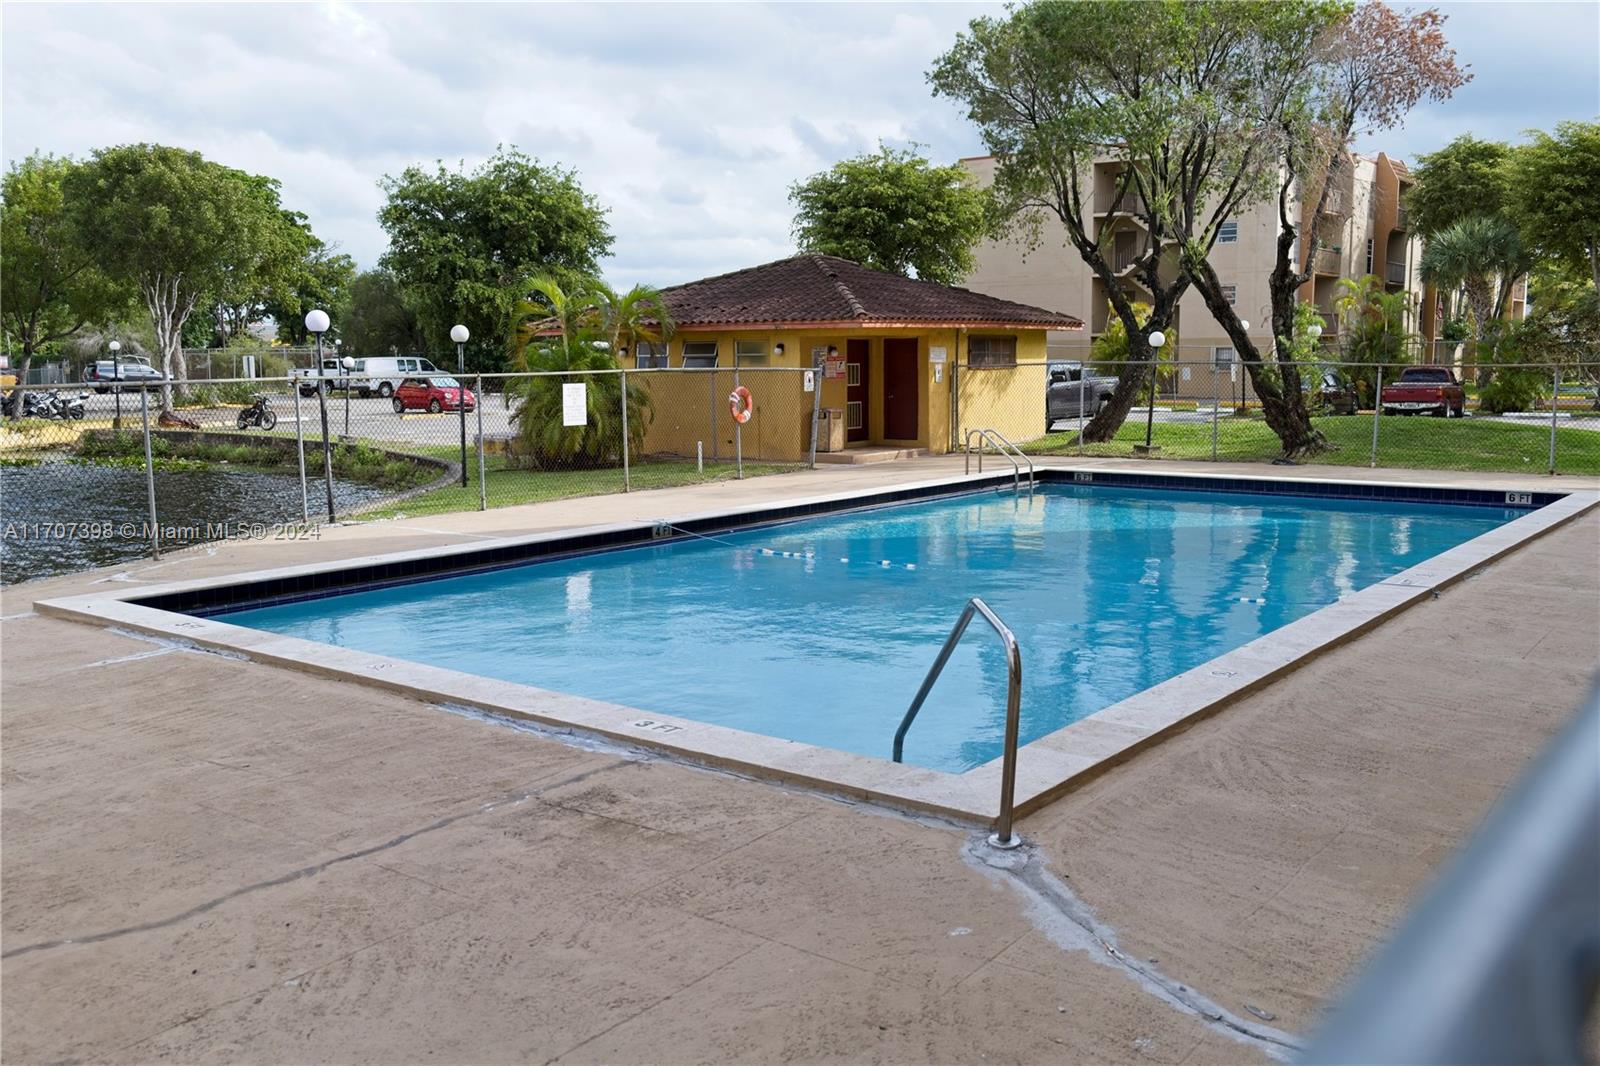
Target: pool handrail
[
  {"x": 1002, "y": 837},
  {"x": 1008, "y": 450}
]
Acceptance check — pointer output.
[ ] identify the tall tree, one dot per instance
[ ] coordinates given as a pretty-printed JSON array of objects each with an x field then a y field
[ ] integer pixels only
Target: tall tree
[
  {"x": 322, "y": 278},
  {"x": 1466, "y": 178},
  {"x": 893, "y": 210},
  {"x": 174, "y": 225},
  {"x": 463, "y": 244},
  {"x": 1555, "y": 194},
  {"x": 625, "y": 318},
  {"x": 376, "y": 320},
  {"x": 50, "y": 287},
  {"x": 1368, "y": 70},
  {"x": 1485, "y": 257},
  {"x": 1178, "y": 105}
]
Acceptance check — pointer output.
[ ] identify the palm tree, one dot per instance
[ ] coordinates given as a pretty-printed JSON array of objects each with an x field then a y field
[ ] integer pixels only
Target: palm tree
[
  {"x": 1484, "y": 257},
  {"x": 1372, "y": 329},
  {"x": 638, "y": 314},
  {"x": 556, "y": 337}
]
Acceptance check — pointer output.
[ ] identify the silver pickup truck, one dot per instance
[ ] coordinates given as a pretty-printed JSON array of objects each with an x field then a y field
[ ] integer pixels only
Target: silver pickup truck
[{"x": 1074, "y": 389}]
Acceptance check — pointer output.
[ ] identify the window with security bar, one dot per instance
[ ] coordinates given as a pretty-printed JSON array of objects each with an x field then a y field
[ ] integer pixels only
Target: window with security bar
[
  {"x": 852, "y": 415},
  {"x": 992, "y": 351}
]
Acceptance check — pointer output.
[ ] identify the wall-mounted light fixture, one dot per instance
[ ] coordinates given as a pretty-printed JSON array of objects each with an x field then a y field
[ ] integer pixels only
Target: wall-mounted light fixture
[
  {"x": 832, "y": 351},
  {"x": 622, "y": 351},
  {"x": 777, "y": 349}
]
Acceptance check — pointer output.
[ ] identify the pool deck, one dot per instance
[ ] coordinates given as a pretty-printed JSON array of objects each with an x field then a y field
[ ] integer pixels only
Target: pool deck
[{"x": 209, "y": 859}]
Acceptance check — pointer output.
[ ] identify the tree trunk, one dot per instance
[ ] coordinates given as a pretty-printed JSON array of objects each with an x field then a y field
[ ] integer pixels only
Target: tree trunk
[
  {"x": 19, "y": 393},
  {"x": 1131, "y": 381}
]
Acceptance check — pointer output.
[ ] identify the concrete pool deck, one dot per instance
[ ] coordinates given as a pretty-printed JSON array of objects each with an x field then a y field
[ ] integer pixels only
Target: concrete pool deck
[{"x": 213, "y": 859}]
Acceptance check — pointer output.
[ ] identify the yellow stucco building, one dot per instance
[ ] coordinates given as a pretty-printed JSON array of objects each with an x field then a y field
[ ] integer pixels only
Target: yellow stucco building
[{"x": 911, "y": 364}]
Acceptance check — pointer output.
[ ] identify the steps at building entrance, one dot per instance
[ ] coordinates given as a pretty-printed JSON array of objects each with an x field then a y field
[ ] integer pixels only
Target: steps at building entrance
[{"x": 876, "y": 454}]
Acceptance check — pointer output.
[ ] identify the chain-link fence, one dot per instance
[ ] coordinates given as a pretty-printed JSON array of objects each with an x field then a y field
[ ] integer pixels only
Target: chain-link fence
[
  {"x": 92, "y": 478},
  {"x": 1533, "y": 418}
]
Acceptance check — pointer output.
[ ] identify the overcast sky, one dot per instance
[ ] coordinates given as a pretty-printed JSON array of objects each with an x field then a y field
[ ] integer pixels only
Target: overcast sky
[{"x": 689, "y": 122}]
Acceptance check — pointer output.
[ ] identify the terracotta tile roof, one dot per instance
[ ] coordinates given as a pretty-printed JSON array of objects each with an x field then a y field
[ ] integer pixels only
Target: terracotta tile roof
[{"x": 811, "y": 290}]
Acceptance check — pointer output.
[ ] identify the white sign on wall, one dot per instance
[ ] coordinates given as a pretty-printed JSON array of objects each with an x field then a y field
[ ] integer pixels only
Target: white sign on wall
[
  {"x": 574, "y": 404},
  {"x": 811, "y": 381},
  {"x": 936, "y": 355}
]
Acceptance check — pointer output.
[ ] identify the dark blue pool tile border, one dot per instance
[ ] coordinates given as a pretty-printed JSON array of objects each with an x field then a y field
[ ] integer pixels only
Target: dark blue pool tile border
[{"x": 269, "y": 592}]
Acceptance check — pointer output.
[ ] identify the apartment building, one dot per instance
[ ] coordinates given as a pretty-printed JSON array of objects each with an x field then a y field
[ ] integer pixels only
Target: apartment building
[{"x": 1366, "y": 233}]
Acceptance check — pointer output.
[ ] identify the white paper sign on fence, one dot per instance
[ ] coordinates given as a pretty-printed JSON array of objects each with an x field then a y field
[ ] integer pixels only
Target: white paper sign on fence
[
  {"x": 574, "y": 404},
  {"x": 811, "y": 381}
]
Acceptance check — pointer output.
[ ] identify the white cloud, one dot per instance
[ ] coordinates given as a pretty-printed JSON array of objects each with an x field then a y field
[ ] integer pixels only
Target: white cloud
[{"x": 688, "y": 121}]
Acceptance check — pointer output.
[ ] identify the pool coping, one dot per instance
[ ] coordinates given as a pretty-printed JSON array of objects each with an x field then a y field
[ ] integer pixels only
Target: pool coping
[{"x": 1047, "y": 767}]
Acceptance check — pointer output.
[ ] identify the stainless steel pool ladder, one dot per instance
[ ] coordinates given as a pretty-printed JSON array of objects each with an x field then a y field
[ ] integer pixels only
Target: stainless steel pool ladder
[
  {"x": 1002, "y": 837},
  {"x": 1013, "y": 454}
]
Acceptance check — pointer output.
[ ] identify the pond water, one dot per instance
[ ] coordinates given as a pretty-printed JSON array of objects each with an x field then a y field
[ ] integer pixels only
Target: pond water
[{"x": 37, "y": 503}]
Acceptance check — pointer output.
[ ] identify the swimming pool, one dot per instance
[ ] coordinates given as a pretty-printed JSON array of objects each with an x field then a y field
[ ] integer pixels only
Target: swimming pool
[{"x": 820, "y": 630}]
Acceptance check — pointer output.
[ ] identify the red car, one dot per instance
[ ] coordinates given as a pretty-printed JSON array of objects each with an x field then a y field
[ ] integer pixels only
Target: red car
[{"x": 432, "y": 394}]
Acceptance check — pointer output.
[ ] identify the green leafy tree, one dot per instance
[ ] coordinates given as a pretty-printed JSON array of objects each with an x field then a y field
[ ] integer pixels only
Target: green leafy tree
[
  {"x": 50, "y": 287},
  {"x": 893, "y": 210},
  {"x": 558, "y": 334},
  {"x": 321, "y": 278},
  {"x": 1191, "y": 105},
  {"x": 461, "y": 243},
  {"x": 176, "y": 227},
  {"x": 1109, "y": 353},
  {"x": 1483, "y": 256},
  {"x": 1555, "y": 194},
  {"x": 1372, "y": 331},
  {"x": 1467, "y": 178},
  {"x": 376, "y": 318},
  {"x": 626, "y": 318}
]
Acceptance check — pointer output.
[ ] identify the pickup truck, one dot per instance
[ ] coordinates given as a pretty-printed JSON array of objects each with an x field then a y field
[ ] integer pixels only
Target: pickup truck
[
  {"x": 1073, "y": 389},
  {"x": 104, "y": 373},
  {"x": 1425, "y": 388}
]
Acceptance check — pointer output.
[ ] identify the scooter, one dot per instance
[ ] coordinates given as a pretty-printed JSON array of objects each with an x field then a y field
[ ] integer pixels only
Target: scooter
[{"x": 259, "y": 413}]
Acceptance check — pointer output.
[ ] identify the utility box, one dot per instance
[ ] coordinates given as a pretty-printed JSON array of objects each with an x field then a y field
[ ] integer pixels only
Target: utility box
[{"x": 830, "y": 429}]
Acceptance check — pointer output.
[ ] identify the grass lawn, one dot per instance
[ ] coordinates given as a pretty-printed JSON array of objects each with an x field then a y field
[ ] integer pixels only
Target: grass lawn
[
  {"x": 509, "y": 486},
  {"x": 1417, "y": 442}
]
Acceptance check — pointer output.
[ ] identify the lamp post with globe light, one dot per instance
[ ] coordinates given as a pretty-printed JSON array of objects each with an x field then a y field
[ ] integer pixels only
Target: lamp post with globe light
[
  {"x": 317, "y": 325},
  {"x": 116, "y": 383},
  {"x": 1157, "y": 341},
  {"x": 348, "y": 363},
  {"x": 461, "y": 335}
]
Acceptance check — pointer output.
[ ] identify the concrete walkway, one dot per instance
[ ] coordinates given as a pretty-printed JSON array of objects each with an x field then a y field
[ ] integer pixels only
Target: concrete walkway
[{"x": 207, "y": 859}]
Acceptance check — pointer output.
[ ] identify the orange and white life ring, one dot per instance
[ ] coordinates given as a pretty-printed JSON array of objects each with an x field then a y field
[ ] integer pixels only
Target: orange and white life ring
[{"x": 740, "y": 405}]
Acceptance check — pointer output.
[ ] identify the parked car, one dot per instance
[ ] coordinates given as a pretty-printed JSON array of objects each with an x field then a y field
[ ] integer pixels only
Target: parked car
[
  {"x": 380, "y": 374},
  {"x": 1330, "y": 391},
  {"x": 432, "y": 394},
  {"x": 1425, "y": 388},
  {"x": 1074, "y": 389},
  {"x": 130, "y": 369}
]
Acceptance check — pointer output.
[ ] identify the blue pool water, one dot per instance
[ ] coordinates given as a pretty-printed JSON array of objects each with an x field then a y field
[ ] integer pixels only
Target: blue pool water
[{"x": 1109, "y": 591}]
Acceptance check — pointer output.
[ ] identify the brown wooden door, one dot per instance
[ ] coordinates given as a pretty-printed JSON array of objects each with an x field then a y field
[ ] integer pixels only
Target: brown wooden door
[
  {"x": 900, "y": 388},
  {"x": 855, "y": 392}
]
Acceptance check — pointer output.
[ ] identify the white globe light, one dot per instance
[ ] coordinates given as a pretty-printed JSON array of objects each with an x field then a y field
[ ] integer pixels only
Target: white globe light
[
  {"x": 115, "y": 346},
  {"x": 1157, "y": 339},
  {"x": 1314, "y": 331},
  {"x": 1244, "y": 325},
  {"x": 317, "y": 321},
  {"x": 459, "y": 334},
  {"x": 348, "y": 362}
]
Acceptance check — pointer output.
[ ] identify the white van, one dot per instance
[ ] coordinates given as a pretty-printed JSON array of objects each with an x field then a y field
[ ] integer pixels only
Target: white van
[{"x": 374, "y": 374}]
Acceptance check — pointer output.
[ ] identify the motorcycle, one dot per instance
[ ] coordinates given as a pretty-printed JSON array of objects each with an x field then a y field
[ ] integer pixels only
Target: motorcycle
[
  {"x": 259, "y": 413},
  {"x": 48, "y": 405}
]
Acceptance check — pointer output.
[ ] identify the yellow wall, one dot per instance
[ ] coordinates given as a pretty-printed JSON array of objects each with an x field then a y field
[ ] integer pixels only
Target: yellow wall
[
  {"x": 1007, "y": 399},
  {"x": 691, "y": 406}
]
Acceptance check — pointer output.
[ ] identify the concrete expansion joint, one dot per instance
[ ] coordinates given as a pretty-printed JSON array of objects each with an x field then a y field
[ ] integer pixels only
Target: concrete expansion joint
[
  {"x": 165, "y": 645},
  {"x": 1069, "y": 923}
]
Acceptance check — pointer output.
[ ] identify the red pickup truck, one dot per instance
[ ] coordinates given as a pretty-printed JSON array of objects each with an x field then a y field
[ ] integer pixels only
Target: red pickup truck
[{"x": 1425, "y": 388}]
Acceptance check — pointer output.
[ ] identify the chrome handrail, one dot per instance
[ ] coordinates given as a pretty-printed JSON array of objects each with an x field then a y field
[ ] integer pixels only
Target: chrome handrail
[
  {"x": 1008, "y": 450},
  {"x": 1002, "y": 837}
]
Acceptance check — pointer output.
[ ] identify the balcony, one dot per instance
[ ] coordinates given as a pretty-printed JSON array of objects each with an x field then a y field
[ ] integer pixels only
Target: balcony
[
  {"x": 1328, "y": 261},
  {"x": 1395, "y": 274},
  {"x": 1330, "y": 324},
  {"x": 1337, "y": 203},
  {"x": 1127, "y": 205},
  {"x": 1400, "y": 220}
]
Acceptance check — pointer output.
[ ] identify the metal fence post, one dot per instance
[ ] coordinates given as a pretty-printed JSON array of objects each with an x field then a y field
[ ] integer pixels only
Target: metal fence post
[
  {"x": 627, "y": 484},
  {"x": 483, "y": 478},
  {"x": 1377, "y": 414},
  {"x": 150, "y": 474},
  {"x": 816, "y": 411},
  {"x": 327, "y": 447},
  {"x": 300, "y": 451},
  {"x": 738, "y": 434},
  {"x": 1555, "y": 403},
  {"x": 1216, "y": 402},
  {"x": 1083, "y": 369}
]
